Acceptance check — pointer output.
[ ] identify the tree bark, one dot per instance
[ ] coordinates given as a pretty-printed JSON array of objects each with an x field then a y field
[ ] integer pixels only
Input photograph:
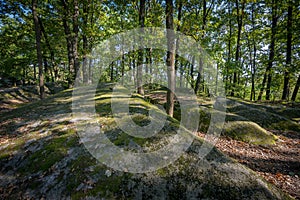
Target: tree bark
[
  {"x": 288, "y": 53},
  {"x": 170, "y": 57},
  {"x": 268, "y": 75},
  {"x": 38, "y": 48},
  {"x": 238, "y": 45},
  {"x": 296, "y": 89},
  {"x": 178, "y": 29},
  {"x": 141, "y": 52},
  {"x": 228, "y": 79},
  {"x": 72, "y": 39},
  {"x": 50, "y": 49},
  {"x": 272, "y": 48}
]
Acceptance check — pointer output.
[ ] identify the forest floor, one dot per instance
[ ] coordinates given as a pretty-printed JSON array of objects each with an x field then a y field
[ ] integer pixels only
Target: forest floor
[{"x": 279, "y": 164}]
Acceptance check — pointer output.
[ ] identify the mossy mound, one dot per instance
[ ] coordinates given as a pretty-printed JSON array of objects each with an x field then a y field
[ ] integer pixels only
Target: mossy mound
[
  {"x": 47, "y": 159},
  {"x": 261, "y": 116},
  {"x": 249, "y": 132},
  {"x": 238, "y": 128}
]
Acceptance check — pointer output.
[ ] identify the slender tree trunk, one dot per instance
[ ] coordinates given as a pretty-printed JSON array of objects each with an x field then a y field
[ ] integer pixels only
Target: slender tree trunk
[
  {"x": 46, "y": 69},
  {"x": 90, "y": 71},
  {"x": 238, "y": 45},
  {"x": 50, "y": 49},
  {"x": 268, "y": 75},
  {"x": 84, "y": 60},
  {"x": 296, "y": 89},
  {"x": 177, "y": 39},
  {"x": 38, "y": 48},
  {"x": 69, "y": 42},
  {"x": 140, "y": 53},
  {"x": 198, "y": 80},
  {"x": 288, "y": 53},
  {"x": 170, "y": 57},
  {"x": 272, "y": 48},
  {"x": 228, "y": 82},
  {"x": 72, "y": 39},
  {"x": 181, "y": 74},
  {"x": 192, "y": 71},
  {"x": 75, "y": 37},
  {"x": 85, "y": 45},
  {"x": 200, "y": 69},
  {"x": 150, "y": 63},
  {"x": 34, "y": 72}
]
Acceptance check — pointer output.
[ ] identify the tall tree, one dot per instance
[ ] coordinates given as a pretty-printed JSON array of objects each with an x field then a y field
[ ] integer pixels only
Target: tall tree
[
  {"x": 170, "y": 57},
  {"x": 296, "y": 89},
  {"x": 268, "y": 75},
  {"x": 240, "y": 15},
  {"x": 141, "y": 52},
  {"x": 71, "y": 9},
  {"x": 38, "y": 48},
  {"x": 288, "y": 52}
]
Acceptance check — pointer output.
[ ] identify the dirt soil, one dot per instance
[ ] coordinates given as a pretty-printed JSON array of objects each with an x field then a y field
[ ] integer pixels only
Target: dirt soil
[{"x": 278, "y": 164}]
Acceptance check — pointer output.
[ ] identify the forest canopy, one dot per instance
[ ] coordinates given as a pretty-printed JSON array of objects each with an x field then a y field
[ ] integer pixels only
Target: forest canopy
[{"x": 255, "y": 44}]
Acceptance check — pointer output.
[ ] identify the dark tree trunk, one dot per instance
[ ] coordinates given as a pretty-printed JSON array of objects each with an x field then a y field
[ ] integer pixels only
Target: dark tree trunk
[
  {"x": 268, "y": 75},
  {"x": 272, "y": 48},
  {"x": 72, "y": 38},
  {"x": 177, "y": 39},
  {"x": 238, "y": 45},
  {"x": 46, "y": 69},
  {"x": 253, "y": 70},
  {"x": 296, "y": 89},
  {"x": 84, "y": 60},
  {"x": 192, "y": 71},
  {"x": 288, "y": 53},
  {"x": 38, "y": 48},
  {"x": 75, "y": 37},
  {"x": 228, "y": 82},
  {"x": 34, "y": 72},
  {"x": 200, "y": 69},
  {"x": 170, "y": 57},
  {"x": 140, "y": 52},
  {"x": 51, "y": 51}
]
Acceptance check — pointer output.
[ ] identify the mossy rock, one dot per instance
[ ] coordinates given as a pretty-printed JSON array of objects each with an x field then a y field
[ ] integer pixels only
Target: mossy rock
[
  {"x": 268, "y": 120},
  {"x": 56, "y": 165},
  {"x": 249, "y": 132}
]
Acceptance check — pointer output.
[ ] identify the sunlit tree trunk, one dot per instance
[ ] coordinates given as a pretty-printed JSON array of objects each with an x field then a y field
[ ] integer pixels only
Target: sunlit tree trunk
[{"x": 170, "y": 57}]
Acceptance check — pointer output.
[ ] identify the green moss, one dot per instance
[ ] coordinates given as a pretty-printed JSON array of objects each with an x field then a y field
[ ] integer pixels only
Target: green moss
[
  {"x": 77, "y": 168},
  {"x": 53, "y": 151},
  {"x": 13, "y": 146},
  {"x": 249, "y": 132}
]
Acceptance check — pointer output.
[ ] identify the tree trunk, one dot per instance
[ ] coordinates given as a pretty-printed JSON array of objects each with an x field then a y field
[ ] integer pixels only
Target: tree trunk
[
  {"x": 50, "y": 49},
  {"x": 141, "y": 54},
  {"x": 267, "y": 74},
  {"x": 253, "y": 70},
  {"x": 38, "y": 48},
  {"x": 296, "y": 89},
  {"x": 170, "y": 57},
  {"x": 272, "y": 48},
  {"x": 75, "y": 37},
  {"x": 228, "y": 82},
  {"x": 72, "y": 39},
  {"x": 192, "y": 71},
  {"x": 288, "y": 53},
  {"x": 177, "y": 39},
  {"x": 238, "y": 45},
  {"x": 200, "y": 69},
  {"x": 84, "y": 60}
]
